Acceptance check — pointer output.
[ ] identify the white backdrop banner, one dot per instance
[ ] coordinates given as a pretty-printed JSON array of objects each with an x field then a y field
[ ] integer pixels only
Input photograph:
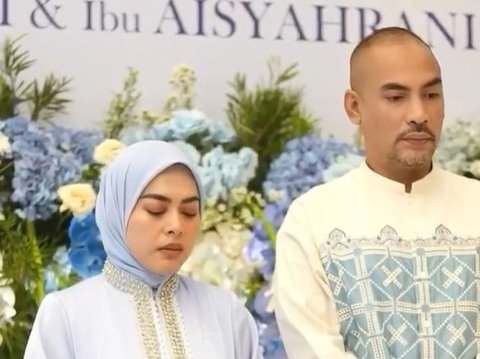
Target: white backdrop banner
[{"x": 95, "y": 41}]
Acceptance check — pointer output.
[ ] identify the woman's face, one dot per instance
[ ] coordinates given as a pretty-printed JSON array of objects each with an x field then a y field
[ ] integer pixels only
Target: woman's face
[{"x": 165, "y": 221}]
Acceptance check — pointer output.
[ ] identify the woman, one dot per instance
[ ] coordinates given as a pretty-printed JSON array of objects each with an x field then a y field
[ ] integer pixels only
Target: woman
[{"x": 149, "y": 213}]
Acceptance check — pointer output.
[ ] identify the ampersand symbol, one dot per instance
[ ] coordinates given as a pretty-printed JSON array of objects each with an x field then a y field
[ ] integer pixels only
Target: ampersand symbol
[{"x": 49, "y": 17}]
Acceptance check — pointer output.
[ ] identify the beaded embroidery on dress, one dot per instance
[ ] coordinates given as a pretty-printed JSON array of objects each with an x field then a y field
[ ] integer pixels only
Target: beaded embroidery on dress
[{"x": 146, "y": 305}]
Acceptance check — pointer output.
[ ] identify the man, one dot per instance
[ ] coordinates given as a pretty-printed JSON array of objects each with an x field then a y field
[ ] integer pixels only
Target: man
[{"x": 384, "y": 262}]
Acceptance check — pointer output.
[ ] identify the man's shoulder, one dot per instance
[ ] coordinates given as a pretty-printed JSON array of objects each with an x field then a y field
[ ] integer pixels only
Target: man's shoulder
[
  {"x": 330, "y": 190},
  {"x": 460, "y": 182}
]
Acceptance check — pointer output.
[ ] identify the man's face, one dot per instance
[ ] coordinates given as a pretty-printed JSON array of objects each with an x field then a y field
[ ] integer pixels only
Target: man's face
[{"x": 400, "y": 105}]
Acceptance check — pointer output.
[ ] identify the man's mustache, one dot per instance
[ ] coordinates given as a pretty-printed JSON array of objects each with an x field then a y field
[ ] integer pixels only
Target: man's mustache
[{"x": 417, "y": 129}]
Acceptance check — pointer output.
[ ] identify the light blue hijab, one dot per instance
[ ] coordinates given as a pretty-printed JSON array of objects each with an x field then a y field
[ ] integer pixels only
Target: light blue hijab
[{"x": 120, "y": 186}]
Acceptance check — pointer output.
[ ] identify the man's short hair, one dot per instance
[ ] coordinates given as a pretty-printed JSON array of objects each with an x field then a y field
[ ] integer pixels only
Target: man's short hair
[{"x": 384, "y": 35}]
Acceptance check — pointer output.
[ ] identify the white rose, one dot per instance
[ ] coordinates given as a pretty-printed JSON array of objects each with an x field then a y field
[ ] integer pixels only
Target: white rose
[
  {"x": 5, "y": 147},
  {"x": 78, "y": 198},
  {"x": 106, "y": 151},
  {"x": 475, "y": 168}
]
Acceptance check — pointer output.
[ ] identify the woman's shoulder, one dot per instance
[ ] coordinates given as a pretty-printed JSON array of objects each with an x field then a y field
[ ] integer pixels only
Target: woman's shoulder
[
  {"x": 203, "y": 290},
  {"x": 81, "y": 292}
]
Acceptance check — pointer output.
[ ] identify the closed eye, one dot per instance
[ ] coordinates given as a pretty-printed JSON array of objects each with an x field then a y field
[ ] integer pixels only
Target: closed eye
[
  {"x": 155, "y": 213},
  {"x": 190, "y": 215}
]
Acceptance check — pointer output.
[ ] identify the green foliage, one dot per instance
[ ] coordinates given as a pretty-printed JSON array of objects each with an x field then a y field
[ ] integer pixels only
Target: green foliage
[
  {"x": 47, "y": 99},
  {"x": 267, "y": 117},
  {"x": 121, "y": 113},
  {"x": 26, "y": 249},
  {"x": 44, "y": 100}
]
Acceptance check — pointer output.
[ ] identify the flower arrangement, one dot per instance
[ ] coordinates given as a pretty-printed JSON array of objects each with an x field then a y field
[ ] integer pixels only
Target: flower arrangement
[{"x": 459, "y": 148}]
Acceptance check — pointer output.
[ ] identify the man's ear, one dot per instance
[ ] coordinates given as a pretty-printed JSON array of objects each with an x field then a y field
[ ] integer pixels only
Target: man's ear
[{"x": 351, "y": 105}]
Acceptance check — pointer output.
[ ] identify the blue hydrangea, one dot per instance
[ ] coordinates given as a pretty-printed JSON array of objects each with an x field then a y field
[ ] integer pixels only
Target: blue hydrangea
[
  {"x": 211, "y": 178},
  {"x": 185, "y": 123},
  {"x": 86, "y": 252},
  {"x": 301, "y": 165},
  {"x": 222, "y": 171},
  {"x": 180, "y": 127},
  {"x": 81, "y": 143},
  {"x": 134, "y": 135},
  {"x": 260, "y": 247},
  {"x": 44, "y": 160},
  {"x": 219, "y": 133},
  {"x": 271, "y": 341}
]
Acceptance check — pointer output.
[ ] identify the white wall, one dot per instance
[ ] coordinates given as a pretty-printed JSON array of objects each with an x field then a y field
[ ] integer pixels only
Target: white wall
[{"x": 97, "y": 60}]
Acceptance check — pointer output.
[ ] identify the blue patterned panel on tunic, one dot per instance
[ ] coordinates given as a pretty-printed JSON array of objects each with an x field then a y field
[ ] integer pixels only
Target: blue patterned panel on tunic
[{"x": 406, "y": 299}]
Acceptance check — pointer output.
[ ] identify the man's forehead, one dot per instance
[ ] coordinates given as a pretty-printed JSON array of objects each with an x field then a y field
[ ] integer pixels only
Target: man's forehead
[{"x": 381, "y": 60}]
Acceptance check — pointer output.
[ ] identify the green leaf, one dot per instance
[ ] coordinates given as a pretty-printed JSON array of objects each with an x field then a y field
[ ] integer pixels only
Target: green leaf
[
  {"x": 48, "y": 99},
  {"x": 266, "y": 117},
  {"x": 121, "y": 112}
]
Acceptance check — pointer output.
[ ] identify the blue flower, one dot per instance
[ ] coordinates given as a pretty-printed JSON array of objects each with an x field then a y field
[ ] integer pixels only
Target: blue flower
[
  {"x": 301, "y": 166},
  {"x": 86, "y": 252},
  {"x": 83, "y": 230},
  {"x": 236, "y": 169},
  {"x": 14, "y": 126},
  {"x": 271, "y": 341},
  {"x": 88, "y": 260},
  {"x": 248, "y": 161},
  {"x": 133, "y": 135},
  {"x": 185, "y": 123},
  {"x": 219, "y": 133},
  {"x": 161, "y": 131},
  {"x": 214, "y": 158},
  {"x": 211, "y": 179},
  {"x": 261, "y": 303},
  {"x": 45, "y": 158}
]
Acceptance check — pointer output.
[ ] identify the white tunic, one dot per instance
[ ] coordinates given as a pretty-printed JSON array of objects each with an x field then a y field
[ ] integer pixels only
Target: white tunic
[
  {"x": 366, "y": 270},
  {"x": 113, "y": 315}
]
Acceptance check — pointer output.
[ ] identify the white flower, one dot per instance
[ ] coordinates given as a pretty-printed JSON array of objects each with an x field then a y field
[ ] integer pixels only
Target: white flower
[
  {"x": 7, "y": 300},
  {"x": 475, "y": 168},
  {"x": 218, "y": 259},
  {"x": 206, "y": 262},
  {"x": 78, "y": 198},
  {"x": 106, "y": 151},
  {"x": 5, "y": 147}
]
